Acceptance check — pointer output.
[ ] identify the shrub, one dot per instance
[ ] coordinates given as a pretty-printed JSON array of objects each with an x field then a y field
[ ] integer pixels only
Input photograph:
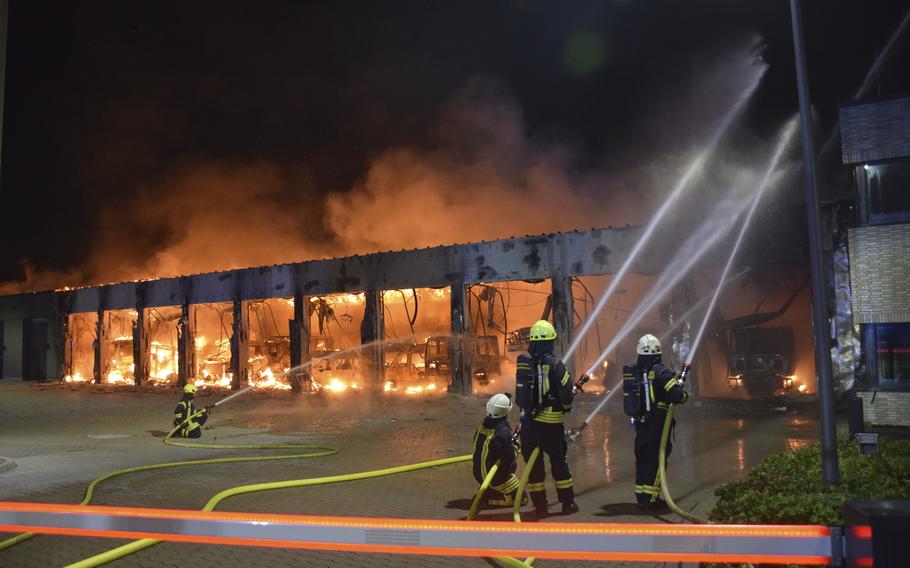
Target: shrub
[{"x": 787, "y": 488}]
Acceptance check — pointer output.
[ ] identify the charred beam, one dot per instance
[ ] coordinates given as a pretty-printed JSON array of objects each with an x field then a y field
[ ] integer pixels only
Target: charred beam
[
  {"x": 62, "y": 336},
  {"x": 141, "y": 343},
  {"x": 561, "y": 297},
  {"x": 371, "y": 335},
  {"x": 561, "y": 286},
  {"x": 594, "y": 252},
  {"x": 459, "y": 345},
  {"x": 186, "y": 347},
  {"x": 102, "y": 347},
  {"x": 240, "y": 345},
  {"x": 300, "y": 341}
]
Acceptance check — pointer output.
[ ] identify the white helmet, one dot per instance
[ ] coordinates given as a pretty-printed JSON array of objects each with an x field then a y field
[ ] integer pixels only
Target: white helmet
[
  {"x": 649, "y": 345},
  {"x": 499, "y": 405}
]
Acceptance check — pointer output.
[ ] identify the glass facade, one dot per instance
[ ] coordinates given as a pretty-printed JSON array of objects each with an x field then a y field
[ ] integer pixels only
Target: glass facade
[
  {"x": 892, "y": 354},
  {"x": 888, "y": 191}
]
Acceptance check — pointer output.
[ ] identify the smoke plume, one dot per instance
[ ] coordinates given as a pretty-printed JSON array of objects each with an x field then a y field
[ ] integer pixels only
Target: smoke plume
[{"x": 484, "y": 175}]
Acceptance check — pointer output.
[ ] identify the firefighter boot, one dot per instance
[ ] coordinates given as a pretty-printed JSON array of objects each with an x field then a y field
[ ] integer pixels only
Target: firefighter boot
[
  {"x": 540, "y": 511},
  {"x": 569, "y": 507}
]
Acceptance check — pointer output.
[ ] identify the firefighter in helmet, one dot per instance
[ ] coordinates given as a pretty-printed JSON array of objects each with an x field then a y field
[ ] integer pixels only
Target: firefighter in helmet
[
  {"x": 648, "y": 390},
  {"x": 544, "y": 392},
  {"x": 492, "y": 443},
  {"x": 190, "y": 426}
]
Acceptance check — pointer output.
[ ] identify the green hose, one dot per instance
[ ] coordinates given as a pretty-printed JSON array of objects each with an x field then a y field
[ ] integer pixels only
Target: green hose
[
  {"x": 507, "y": 560},
  {"x": 662, "y": 471},
  {"x": 138, "y": 545},
  {"x": 475, "y": 504},
  {"x": 322, "y": 451},
  {"x": 516, "y": 508},
  {"x": 142, "y": 544}
]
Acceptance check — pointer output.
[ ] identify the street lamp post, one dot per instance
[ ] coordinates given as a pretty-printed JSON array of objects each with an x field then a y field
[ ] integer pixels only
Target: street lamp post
[{"x": 819, "y": 311}]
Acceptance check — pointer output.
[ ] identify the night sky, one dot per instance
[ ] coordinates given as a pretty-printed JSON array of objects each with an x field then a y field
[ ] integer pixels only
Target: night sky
[{"x": 106, "y": 97}]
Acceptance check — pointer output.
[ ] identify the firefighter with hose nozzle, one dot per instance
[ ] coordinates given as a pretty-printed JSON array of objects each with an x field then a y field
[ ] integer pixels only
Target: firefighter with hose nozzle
[
  {"x": 544, "y": 392},
  {"x": 649, "y": 389},
  {"x": 493, "y": 442},
  {"x": 191, "y": 428}
]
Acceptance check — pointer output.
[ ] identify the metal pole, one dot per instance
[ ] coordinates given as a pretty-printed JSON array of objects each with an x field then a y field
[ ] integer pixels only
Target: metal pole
[{"x": 819, "y": 312}]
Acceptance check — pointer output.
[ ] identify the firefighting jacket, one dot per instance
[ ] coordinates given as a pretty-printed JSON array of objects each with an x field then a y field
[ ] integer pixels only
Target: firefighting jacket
[
  {"x": 185, "y": 409},
  {"x": 665, "y": 388},
  {"x": 492, "y": 442}
]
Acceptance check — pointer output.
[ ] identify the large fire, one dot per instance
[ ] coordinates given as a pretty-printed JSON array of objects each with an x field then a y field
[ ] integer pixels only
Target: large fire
[{"x": 414, "y": 347}]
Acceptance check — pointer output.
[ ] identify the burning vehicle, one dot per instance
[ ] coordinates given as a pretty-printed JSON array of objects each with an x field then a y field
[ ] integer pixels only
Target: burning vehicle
[
  {"x": 486, "y": 360},
  {"x": 760, "y": 360}
]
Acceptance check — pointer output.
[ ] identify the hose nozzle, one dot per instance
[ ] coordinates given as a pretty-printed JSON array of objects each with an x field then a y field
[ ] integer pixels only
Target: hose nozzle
[
  {"x": 575, "y": 431},
  {"x": 684, "y": 373}
]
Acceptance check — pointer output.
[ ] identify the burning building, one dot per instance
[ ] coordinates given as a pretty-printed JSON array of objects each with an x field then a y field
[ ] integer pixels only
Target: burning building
[{"x": 449, "y": 318}]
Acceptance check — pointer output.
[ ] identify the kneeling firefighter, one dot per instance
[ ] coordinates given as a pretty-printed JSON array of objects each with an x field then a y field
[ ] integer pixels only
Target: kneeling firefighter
[
  {"x": 185, "y": 409},
  {"x": 648, "y": 390},
  {"x": 493, "y": 442},
  {"x": 543, "y": 391}
]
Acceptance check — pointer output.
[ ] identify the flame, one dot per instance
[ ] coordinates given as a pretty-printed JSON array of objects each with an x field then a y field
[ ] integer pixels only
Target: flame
[
  {"x": 268, "y": 380},
  {"x": 802, "y": 388},
  {"x": 75, "y": 378}
]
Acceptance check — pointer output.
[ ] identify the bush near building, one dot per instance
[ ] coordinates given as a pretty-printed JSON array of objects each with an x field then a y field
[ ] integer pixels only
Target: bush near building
[{"x": 787, "y": 488}]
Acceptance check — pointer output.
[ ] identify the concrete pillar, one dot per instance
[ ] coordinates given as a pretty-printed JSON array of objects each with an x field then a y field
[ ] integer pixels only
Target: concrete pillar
[
  {"x": 186, "y": 346},
  {"x": 300, "y": 341},
  {"x": 102, "y": 346},
  {"x": 142, "y": 352},
  {"x": 561, "y": 290},
  {"x": 62, "y": 336},
  {"x": 372, "y": 333},
  {"x": 460, "y": 343},
  {"x": 240, "y": 346}
]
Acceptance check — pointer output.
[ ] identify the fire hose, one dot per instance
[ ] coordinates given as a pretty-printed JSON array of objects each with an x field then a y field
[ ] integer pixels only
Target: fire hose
[
  {"x": 320, "y": 451},
  {"x": 516, "y": 507}
]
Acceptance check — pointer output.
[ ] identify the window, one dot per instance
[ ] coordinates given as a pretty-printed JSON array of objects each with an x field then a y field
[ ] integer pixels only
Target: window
[
  {"x": 888, "y": 191},
  {"x": 892, "y": 354}
]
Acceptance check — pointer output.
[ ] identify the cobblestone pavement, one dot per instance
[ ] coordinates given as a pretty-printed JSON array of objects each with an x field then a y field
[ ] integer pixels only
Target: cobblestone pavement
[{"x": 62, "y": 437}]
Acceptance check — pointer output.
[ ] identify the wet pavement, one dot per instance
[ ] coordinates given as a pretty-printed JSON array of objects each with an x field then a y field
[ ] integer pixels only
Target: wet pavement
[{"x": 61, "y": 437}]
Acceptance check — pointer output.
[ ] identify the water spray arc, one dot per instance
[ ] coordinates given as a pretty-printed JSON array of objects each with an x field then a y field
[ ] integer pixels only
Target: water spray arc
[
  {"x": 674, "y": 274},
  {"x": 782, "y": 144},
  {"x": 681, "y": 185},
  {"x": 867, "y": 81}
]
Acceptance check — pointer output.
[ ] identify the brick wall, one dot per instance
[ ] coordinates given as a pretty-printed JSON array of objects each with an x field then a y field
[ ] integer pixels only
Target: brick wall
[
  {"x": 891, "y": 408},
  {"x": 880, "y": 273},
  {"x": 877, "y": 130}
]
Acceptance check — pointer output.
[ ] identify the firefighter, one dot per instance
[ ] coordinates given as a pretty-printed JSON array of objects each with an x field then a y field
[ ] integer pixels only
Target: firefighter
[
  {"x": 492, "y": 443},
  {"x": 544, "y": 392},
  {"x": 185, "y": 409},
  {"x": 648, "y": 390}
]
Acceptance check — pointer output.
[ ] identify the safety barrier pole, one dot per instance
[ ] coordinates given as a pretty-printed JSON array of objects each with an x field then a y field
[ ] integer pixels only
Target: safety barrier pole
[{"x": 633, "y": 542}]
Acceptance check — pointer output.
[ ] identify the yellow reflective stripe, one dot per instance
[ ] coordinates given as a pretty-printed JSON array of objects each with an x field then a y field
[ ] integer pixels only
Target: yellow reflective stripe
[
  {"x": 524, "y": 365},
  {"x": 535, "y": 487},
  {"x": 564, "y": 484},
  {"x": 550, "y": 416},
  {"x": 647, "y": 489},
  {"x": 508, "y": 486},
  {"x": 565, "y": 379},
  {"x": 670, "y": 384},
  {"x": 663, "y": 405},
  {"x": 651, "y": 385},
  {"x": 488, "y": 436}
]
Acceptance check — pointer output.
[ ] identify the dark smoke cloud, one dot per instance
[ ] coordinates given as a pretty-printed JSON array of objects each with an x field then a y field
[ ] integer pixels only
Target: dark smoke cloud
[{"x": 480, "y": 174}]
